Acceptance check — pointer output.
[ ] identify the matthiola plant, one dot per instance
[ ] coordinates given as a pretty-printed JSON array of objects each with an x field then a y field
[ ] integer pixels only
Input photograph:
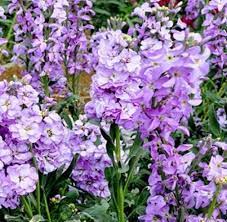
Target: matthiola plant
[
  {"x": 32, "y": 139},
  {"x": 149, "y": 79},
  {"x": 51, "y": 41},
  {"x": 214, "y": 30},
  {"x": 132, "y": 147}
]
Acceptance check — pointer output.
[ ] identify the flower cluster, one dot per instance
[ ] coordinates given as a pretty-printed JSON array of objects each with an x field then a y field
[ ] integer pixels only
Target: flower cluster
[
  {"x": 183, "y": 183},
  {"x": 192, "y": 11},
  {"x": 31, "y": 138},
  {"x": 3, "y": 41},
  {"x": 214, "y": 31},
  {"x": 51, "y": 40},
  {"x": 89, "y": 171},
  {"x": 149, "y": 79}
]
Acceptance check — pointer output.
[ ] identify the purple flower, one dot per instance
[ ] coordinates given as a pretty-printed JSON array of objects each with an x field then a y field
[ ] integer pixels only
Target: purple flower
[
  {"x": 28, "y": 95},
  {"x": 9, "y": 106},
  {"x": 217, "y": 168},
  {"x": 26, "y": 130},
  {"x": 23, "y": 177},
  {"x": 89, "y": 171}
]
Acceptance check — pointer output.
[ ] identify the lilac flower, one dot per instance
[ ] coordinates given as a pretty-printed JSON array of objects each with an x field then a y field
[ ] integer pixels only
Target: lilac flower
[
  {"x": 217, "y": 168},
  {"x": 9, "y": 106},
  {"x": 23, "y": 177},
  {"x": 24, "y": 126},
  {"x": 26, "y": 131},
  {"x": 89, "y": 171},
  {"x": 54, "y": 49}
]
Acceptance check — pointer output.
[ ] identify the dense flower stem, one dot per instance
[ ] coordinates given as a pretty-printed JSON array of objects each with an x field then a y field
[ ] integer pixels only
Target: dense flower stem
[
  {"x": 10, "y": 32},
  {"x": 75, "y": 84}
]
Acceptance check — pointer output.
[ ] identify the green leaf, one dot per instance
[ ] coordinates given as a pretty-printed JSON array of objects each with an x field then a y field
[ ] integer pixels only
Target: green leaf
[
  {"x": 68, "y": 119},
  {"x": 110, "y": 147},
  {"x": 102, "y": 12},
  {"x": 213, "y": 123},
  {"x": 135, "y": 149},
  {"x": 57, "y": 181},
  {"x": 98, "y": 212},
  {"x": 113, "y": 127}
]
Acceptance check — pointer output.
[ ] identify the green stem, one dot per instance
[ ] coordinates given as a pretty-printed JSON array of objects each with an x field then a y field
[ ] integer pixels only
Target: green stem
[
  {"x": 120, "y": 190},
  {"x": 121, "y": 215},
  {"x": 118, "y": 145},
  {"x": 214, "y": 201},
  {"x": 46, "y": 207},
  {"x": 38, "y": 197},
  {"x": 38, "y": 183},
  {"x": 45, "y": 82},
  {"x": 10, "y": 32},
  {"x": 27, "y": 207},
  {"x": 131, "y": 172}
]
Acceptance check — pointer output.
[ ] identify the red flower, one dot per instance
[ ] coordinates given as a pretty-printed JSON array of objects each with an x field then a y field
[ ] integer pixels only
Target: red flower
[
  {"x": 163, "y": 2},
  {"x": 187, "y": 21}
]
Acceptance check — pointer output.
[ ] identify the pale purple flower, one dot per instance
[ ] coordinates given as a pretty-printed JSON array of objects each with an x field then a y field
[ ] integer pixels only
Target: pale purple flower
[
  {"x": 26, "y": 130},
  {"x": 27, "y": 95},
  {"x": 217, "y": 168},
  {"x": 9, "y": 106},
  {"x": 23, "y": 177}
]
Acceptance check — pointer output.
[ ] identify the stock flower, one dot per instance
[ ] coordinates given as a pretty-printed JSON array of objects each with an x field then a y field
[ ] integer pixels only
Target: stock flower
[
  {"x": 217, "y": 168},
  {"x": 148, "y": 81},
  {"x": 55, "y": 48},
  {"x": 9, "y": 106},
  {"x": 89, "y": 171},
  {"x": 8, "y": 197},
  {"x": 215, "y": 35},
  {"x": 28, "y": 130},
  {"x": 23, "y": 177},
  {"x": 27, "y": 95}
]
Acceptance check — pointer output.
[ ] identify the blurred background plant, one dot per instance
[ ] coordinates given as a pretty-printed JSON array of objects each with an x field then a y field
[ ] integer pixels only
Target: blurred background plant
[{"x": 105, "y": 9}]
